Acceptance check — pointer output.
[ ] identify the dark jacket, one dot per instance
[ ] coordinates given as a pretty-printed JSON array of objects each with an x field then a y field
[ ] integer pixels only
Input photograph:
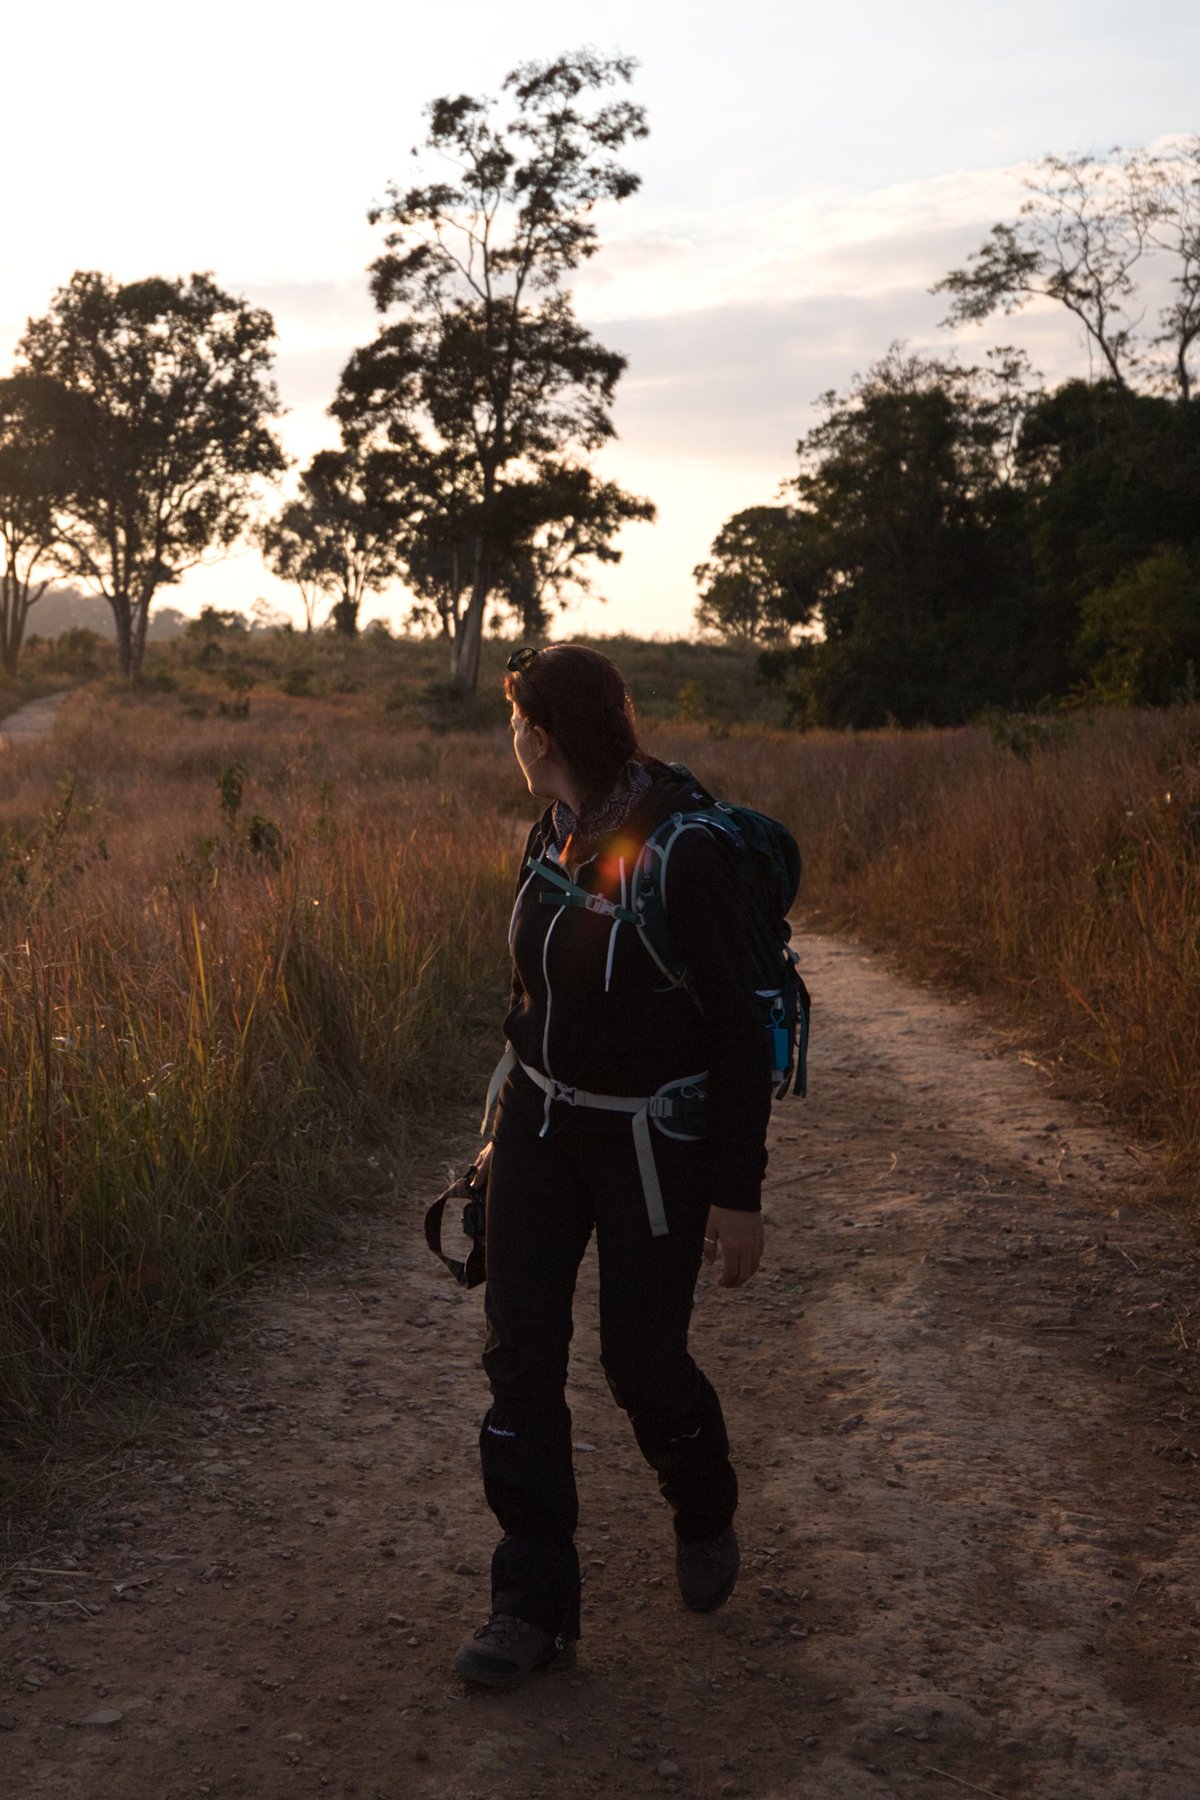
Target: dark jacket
[{"x": 592, "y": 1009}]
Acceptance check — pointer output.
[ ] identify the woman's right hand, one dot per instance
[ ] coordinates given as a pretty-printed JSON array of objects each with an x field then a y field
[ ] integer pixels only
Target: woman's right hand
[{"x": 740, "y": 1238}]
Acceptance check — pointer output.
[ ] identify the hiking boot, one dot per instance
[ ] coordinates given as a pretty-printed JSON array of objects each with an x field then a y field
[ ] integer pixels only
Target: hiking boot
[
  {"x": 707, "y": 1572},
  {"x": 506, "y": 1650}
]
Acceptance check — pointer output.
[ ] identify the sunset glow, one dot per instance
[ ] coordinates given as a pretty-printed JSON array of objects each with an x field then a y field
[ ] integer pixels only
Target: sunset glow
[{"x": 810, "y": 173}]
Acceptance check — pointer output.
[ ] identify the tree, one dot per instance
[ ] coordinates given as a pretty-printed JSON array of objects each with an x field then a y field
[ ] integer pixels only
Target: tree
[
  {"x": 555, "y": 526},
  {"x": 1079, "y": 239},
  {"x": 1166, "y": 190},
  {"x": 911, "y": 535},
  {"x": 439, "y": 565},
  {"x": 757, "y": 586},
  {"x": 1140, "y": 638},
  {"x": 343, "y": 538},
  {"x": 35, "y": 419},
  {"x": 175, "y": 398},
  {"x": 291, "y": 547},
  {"x": 543, "y": 537},
  {"x": 486, "y": 375},
  {"x": 1112, "y": 477},
  {"x": 358, "y": 503}
]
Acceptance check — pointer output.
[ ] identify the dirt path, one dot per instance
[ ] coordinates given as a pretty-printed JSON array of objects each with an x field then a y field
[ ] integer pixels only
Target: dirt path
[
  {"x": 964, "y": 1404},
  {"x": 30, "y": 722}
]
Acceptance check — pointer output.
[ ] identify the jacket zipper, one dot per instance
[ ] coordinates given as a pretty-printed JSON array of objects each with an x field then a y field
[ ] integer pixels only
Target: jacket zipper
[{"x": 549, "y": 1007}]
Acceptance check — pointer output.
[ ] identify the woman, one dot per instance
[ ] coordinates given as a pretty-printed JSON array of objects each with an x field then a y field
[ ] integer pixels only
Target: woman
[{"x": 593, "y": 1030}]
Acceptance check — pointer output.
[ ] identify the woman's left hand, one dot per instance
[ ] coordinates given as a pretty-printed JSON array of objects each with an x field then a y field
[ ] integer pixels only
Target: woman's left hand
[{"x": 740, "y": 1236}]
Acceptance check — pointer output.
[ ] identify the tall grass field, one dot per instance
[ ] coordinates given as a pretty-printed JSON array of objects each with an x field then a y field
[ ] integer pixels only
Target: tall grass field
[{"x": 252, "y": 943}]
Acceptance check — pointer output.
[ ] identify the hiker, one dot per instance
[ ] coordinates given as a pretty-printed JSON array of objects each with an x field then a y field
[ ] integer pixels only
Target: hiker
[{"x": 594, "y": 1027}]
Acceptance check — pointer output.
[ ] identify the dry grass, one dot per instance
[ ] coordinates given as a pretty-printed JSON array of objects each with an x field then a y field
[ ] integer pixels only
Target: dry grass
[
  {"x": 225, "y": 995},
  {"x": 210, "y": 995},
  {"x": 1057, "y": 870}
]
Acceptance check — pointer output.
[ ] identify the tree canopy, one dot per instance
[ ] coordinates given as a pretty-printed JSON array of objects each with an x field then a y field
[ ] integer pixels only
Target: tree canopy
[
  {"x": 961, "y": 540},
  {"x": 759, "y": 582},
  {"x": 914, "y": 556}
]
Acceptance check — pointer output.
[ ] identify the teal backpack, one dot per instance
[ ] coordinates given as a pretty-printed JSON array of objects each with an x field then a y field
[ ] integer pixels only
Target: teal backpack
[{"x": 767, "y": 863}]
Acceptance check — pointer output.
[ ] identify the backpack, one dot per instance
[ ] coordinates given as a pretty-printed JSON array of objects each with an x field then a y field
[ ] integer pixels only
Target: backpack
[{"x": 767, "y": 862}]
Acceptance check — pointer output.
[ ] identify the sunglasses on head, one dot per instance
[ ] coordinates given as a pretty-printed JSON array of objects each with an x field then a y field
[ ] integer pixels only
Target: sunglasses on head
[{"x": 522, "y": 659}]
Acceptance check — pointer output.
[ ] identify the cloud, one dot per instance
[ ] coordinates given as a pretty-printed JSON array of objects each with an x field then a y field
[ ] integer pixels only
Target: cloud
[
  {"x": 737, "y": 382},
  {"x": 316, "y": 311},
  {"x": 741, "y": 329},
  {"x": 624, "y": 256},
  {"x": 829, "y": 239},
  {"x": 310, "y": 377},
  {"x": 740, "y": 383}
]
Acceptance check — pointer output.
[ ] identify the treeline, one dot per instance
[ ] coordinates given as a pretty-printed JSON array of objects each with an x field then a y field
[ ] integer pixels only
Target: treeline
[
  {"x": 959, "y": 538},
  {"x": 137, "y": 430},
  {"x": 955, "y": 537}
]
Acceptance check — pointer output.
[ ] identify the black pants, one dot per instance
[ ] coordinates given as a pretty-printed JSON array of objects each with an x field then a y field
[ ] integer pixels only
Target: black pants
[{"x": 546, "y": 1195}]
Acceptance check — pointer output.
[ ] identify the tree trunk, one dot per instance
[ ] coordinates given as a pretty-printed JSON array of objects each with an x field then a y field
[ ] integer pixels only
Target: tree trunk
[
  {"x": 345, "y": 617},
  {"x": 122, "y": 618},
  {"x": 464, "y": 653},
  {"x": 8, "y": 618},
  {"x": 8, "y": 652},
  {"x": 16, "y": 602},
  {"x": 141, "y": 618}
]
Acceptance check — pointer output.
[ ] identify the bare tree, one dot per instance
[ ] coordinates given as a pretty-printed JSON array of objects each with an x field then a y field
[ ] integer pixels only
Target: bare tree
[
  {"x": 1165, "y": 191},
  {"x": 1087, "y": 237}
]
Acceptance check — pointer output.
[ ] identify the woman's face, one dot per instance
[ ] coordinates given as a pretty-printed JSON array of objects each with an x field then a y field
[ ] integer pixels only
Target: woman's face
[{"x": 527, "y": 745}]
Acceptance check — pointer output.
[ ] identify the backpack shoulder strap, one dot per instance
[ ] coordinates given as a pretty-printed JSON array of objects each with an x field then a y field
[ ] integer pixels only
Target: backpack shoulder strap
[
  {"x": 569, "y": 893},
  {"x": 648, "y": 893}
]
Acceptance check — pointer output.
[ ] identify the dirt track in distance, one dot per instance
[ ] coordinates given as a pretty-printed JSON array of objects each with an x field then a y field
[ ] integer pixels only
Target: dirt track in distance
[
  {"x": 963, "y": 1399},
  {"x": 30, "y": 722}
]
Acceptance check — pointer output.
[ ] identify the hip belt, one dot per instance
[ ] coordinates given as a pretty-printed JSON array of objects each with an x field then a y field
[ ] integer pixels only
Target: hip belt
[{"x": 679, "y": 1109}]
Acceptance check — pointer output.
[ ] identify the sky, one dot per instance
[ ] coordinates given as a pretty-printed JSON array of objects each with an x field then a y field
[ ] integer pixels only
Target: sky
[{"x": 811, "y": 171}]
